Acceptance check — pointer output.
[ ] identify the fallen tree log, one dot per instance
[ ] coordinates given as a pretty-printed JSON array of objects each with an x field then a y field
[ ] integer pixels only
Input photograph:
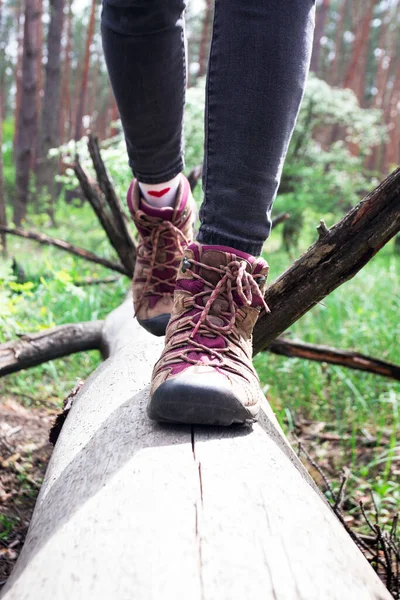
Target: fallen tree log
[
  {"x": 133, "y": 509},
  {"x": 336, "y": 257}
]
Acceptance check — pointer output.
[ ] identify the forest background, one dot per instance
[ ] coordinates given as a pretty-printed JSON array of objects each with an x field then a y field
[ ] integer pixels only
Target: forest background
[{"x": 54, "y": 90}]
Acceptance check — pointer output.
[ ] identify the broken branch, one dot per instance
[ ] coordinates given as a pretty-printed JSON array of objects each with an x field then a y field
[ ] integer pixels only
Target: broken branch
[
  {"x": 41, "y": 238},
  {"x": 332, "y": 260},
  {"x": 34, "y": 349},
  {"x": 344, "y": 358}
]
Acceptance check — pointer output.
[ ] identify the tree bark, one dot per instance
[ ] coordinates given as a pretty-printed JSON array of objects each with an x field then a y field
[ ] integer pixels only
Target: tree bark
[
  {"x": 34, "y": 349},
  {"x": 27, "y": 119},
  {"x": 185, "y": 512},
  {"x": 46, "y": 169},
  {"x": 336, "y": 257},
  {"x": 85, "y": 72}
]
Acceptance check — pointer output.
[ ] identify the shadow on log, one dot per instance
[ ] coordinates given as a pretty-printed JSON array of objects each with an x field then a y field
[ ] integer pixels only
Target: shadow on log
[{"x": 132, "y": 509}]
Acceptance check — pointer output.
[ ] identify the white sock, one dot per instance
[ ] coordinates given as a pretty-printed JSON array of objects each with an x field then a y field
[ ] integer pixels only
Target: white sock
[{"x": 160, "y": 194}]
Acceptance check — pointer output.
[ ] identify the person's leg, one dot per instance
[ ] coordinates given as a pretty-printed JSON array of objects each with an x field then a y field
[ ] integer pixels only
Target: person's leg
[
  {"x": 143, "y": 43},
  {"x": 259, "y": 60}
]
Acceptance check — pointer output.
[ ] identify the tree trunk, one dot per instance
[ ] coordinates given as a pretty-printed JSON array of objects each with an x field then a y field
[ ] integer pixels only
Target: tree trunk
[
  {"x": 320, "y": 20},
  {"x": 355, "y": 77},
  {"x": 65, "y": 110},
  {"x": 205, "y": 38},
  {"x": 27, "y": 119},
  {"x": 39, "y": 87},
  {"x": 133, "y": 509},
  {"x": 49, "y": 134},
  {"x": 333, "y": 71},
  {"x": 18, "y": 70},
  {"x": 3, "y": 218},
  {"x": 85, "y": 73}
]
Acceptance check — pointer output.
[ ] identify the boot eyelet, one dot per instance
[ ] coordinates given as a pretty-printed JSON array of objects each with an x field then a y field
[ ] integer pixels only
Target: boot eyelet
[{"x": 186, "y": 264}]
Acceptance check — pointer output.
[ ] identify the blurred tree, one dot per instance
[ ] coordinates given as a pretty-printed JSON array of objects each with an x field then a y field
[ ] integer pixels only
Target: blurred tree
[
  {"x": 85, "y": 73},
  {"x": 27, "y": 116},
  {"x": 49, "y": 137},
  {"x": 320, "y": 19},
  {"x": 65, "y": 108},
  {"x": 3, "y": 219},
  {"x": 205, "y": 38}
]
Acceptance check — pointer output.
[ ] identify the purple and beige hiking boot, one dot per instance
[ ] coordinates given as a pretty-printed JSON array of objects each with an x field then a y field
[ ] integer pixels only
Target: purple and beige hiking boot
[
  {"x": 205, "y": 375},
  {"x": 164, "y": 234}
]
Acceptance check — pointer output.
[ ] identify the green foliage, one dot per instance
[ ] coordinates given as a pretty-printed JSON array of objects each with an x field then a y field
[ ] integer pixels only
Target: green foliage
[{"x": 321, "y": 179}]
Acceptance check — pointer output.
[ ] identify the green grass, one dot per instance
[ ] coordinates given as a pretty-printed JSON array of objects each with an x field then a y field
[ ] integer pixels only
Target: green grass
[{"x": 362, "y": 315}]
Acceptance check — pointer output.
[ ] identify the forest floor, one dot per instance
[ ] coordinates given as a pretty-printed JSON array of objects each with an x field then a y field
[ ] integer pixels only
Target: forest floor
[{"x": 24, "y": 454}]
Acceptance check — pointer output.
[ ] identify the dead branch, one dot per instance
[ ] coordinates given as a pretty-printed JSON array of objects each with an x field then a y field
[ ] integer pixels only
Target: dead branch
[
  {"x": 127, "y": 249},
  {"x": 334, "y": 258},
  {"x": 279, "y": 219},
  {"x": 195, "y": 176},
  {"x": 34, "y": 349},
  {"x": 107, "y": 221},
  {"x": 44, "y": 239},
  {"x": 344, "y": 358}
]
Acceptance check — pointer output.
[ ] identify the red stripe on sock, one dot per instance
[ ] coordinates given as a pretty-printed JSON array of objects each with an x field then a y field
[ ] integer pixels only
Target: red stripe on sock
[{"x": 158, "y": 194}]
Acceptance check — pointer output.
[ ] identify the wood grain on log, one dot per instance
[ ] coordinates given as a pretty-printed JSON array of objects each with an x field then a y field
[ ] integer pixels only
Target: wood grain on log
[
  {"x": 333, "y": 356},
  {"x": 36, "y": 348},
  {"x": 335, "y": 258},
  {"x": 133, "y": 509},
  {"x": 44, "y": 239}
]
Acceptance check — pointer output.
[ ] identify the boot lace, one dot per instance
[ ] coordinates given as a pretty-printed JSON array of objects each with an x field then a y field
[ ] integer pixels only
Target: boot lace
[
  {"x": 175, "y": 243},
  {"x": 234, "y": 278}
]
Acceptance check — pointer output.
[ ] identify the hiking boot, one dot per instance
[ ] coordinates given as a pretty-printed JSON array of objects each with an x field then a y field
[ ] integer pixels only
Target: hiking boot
[
  {"x": 205, "y": 374},
  {"x": 164, "y": 234}
]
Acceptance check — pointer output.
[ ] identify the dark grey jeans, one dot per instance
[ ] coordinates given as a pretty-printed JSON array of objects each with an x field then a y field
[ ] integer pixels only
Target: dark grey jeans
[{"x": 259, "y": 60}]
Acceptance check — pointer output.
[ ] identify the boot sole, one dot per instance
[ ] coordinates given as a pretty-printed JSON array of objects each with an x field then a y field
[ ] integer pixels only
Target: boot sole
[
  {"x": 156, "y": 325},
  {"x": 175, "y": 401}
]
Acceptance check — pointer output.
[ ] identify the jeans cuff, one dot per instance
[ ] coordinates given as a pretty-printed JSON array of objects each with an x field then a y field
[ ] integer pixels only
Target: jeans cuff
[
  {"x": 212, "y": 238},
  {"x": 154, "y": 178}
]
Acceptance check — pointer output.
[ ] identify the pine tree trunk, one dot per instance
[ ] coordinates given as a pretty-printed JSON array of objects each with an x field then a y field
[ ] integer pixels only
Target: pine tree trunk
[
  {"x": 355, "y": 76},
  {"x": 27, "y": 118},
  {"x": 49, "y": 133},
  {"x": 65, "y": 111},
  {"x": 85, "y": 73},
  {"x": 18, "y": 70},
  {"x": 205, "y": 38},
  {"x": 322, "y": 13},
  {"x": 3, "y": 220},
  {"x": 333, "y": 71},
  {"x": 39, "y": 87}
]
